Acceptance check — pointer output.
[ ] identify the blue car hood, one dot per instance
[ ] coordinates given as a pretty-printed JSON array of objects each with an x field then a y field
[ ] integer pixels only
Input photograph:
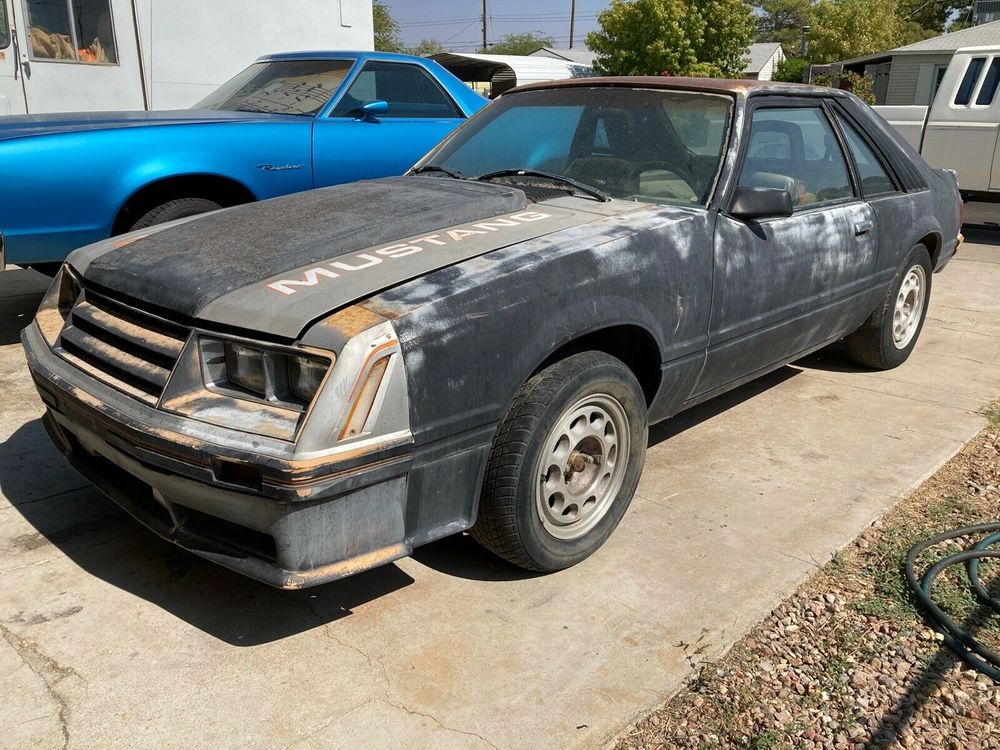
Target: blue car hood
[{"x": 22, "y": 126}]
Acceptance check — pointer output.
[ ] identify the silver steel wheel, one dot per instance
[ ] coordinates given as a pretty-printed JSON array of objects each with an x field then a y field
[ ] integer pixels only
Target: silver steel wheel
[
  {"x": 909, "y": 306},
  {"x": 582, "y": 465}
]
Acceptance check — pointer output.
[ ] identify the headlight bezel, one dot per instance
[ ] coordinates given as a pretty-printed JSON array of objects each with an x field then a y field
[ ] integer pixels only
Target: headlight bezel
[
  {"x": 57, "y": 303},
  {"x": 218, "y": 354}
]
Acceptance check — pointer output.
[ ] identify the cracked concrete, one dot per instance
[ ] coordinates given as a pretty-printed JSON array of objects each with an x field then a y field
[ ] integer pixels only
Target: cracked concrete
[
  {"x": 114, "y": 638},
  {"x": 48, "y": 670}
]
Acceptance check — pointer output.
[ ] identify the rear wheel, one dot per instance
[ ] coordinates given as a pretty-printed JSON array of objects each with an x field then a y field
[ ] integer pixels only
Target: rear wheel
[
  {"x": 565, "y": 463},
  {"x": 886, "y": 339},
  {"x": 179, "y": 208}
]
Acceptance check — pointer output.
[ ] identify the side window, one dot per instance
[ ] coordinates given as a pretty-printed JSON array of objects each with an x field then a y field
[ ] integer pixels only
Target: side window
[
  {"x": 409, "y": 90},
  {"x": 874, "y": 179},
  {"x": 795, "y": 148},
  {"x": 71, "y": 31},
  {"x": 4, "y": 26},
  {"x": 968, "y": 85},
  {"x": 989, "y": 88}
]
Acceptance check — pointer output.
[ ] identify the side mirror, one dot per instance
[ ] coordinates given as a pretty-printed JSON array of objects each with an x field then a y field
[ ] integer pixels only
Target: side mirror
[
  {"x": 761, "y": 203},
  {"x": 371, "y": 110}
]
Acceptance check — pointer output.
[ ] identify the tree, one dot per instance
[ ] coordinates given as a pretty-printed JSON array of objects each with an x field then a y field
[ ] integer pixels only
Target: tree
[
  {"x": 782, "y": 21},
  {"x": 677, "y": 37},
  {"x": 929, "y": 16},
  {"x": 427, "y": 47},
  {"x": 386, "y": 29},
  {"x": 843, "y": 29},
  {"x": 518, "y": 44}
]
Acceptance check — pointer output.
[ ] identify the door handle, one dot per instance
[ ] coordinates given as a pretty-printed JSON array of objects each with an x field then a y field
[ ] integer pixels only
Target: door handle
[{"x": 862, "y": 228}]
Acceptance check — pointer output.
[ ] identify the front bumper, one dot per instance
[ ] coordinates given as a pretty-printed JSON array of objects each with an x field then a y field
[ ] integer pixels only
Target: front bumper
[{"x": 230, "y": 498}]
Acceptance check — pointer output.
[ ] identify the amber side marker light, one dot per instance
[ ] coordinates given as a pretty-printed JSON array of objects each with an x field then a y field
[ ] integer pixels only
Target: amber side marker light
[{"x": 365, "y": 400}]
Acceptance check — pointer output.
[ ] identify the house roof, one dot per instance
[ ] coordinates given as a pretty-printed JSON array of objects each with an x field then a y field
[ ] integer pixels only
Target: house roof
[
  {"x": 759, "y": 54},
  {"x": 580, "y": 55},
  {"x": 984, "y": 35},
  {"x": 974, "y": 36}
]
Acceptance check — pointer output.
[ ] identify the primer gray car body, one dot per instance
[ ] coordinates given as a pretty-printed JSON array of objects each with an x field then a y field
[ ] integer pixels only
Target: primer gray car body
[{"x": 453, "y": 292}]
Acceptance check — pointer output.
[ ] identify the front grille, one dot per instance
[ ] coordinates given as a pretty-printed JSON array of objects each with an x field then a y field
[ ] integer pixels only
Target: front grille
[{"x": 121, "y": 345}]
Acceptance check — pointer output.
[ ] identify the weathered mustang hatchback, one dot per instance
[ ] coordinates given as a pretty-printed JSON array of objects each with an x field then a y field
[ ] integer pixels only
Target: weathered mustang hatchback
[{"x": 311, "y": 386}]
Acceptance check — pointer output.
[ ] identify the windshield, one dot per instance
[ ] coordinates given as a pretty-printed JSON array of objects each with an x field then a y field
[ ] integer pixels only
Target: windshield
[
  {"x": 641, "y": 144},
  {"x": 290, "y": 87}
]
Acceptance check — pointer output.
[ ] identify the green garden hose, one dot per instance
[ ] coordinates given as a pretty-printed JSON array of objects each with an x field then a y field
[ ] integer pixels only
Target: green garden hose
[{"x": 957, "y": 638}]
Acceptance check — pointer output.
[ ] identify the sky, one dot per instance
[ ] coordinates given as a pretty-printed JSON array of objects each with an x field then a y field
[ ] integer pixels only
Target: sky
[{"x": 456, "y": 23}]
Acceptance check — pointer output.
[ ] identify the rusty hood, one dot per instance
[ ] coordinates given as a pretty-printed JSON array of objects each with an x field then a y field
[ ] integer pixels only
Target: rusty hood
[{"x": 278, "y": 265}]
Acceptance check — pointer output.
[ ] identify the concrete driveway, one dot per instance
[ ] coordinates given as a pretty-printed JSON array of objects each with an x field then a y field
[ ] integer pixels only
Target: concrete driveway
[{"x": 114, "y": 638}]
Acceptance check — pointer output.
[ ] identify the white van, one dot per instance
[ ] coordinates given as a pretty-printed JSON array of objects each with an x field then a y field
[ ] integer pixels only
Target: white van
[{"x": 86, "y": 55}]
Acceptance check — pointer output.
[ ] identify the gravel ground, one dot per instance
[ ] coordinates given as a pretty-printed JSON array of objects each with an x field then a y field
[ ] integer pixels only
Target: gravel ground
[{"x": 847, "y": 661}]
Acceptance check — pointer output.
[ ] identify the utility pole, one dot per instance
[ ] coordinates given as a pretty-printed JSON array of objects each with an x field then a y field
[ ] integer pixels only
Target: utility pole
[
  {"x": 572, "y": 18},
  {"x": 484, "y": 25}
]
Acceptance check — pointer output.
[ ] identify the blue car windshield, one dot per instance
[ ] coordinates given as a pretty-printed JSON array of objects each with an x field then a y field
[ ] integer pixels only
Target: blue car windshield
[
  {"x": 287, "y": 87},
  {"x": 641, "y": 144}
]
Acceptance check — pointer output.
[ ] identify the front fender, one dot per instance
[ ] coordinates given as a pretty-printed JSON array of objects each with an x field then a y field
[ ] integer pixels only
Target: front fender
[
  {"x": 64, "y": 190},
  {"x": 472, "y": 334}
]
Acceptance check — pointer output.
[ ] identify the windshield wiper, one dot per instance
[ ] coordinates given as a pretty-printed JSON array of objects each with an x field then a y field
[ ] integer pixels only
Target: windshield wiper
[
  {"x": 583, "y": 187},
  {"x": 438, "y": 168}
]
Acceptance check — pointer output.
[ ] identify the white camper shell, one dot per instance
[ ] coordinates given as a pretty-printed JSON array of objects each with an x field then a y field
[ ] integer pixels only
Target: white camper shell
[
  {"x": 959, "y": 130},
  {"x": 87, "y": 55}
]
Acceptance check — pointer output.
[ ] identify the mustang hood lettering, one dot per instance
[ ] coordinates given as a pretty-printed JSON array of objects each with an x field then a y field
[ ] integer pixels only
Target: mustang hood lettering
[{"x": 285, "y": 262}]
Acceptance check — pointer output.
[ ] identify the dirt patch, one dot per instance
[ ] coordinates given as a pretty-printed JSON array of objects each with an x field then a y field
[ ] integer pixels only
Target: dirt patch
[{"x": 848, "y": 661}]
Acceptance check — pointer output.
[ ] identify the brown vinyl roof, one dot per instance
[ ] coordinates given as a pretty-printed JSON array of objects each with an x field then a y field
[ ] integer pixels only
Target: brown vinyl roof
[{"x": 737, "y": 86}]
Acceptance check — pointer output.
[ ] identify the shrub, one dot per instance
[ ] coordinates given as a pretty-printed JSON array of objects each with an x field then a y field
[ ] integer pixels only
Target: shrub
[{"x": 790, "y": 70}]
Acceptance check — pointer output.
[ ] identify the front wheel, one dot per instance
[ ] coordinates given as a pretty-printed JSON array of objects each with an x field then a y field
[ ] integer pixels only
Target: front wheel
[
  {"x": 886, "y": 339},
  {"x": 179, "y": 208},
  {"x": 565, "y": 463}
]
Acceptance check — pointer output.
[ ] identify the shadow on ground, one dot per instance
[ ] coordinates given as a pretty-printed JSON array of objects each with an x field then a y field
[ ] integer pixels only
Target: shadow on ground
[
  {"x": 96, "y": 535},
  {"x": 20, "y": 292},
  {"x": 104, "y": 541}
]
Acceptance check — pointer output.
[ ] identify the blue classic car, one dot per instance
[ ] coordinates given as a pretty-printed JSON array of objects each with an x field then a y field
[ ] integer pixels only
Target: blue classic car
[{"x": 287, "y": 123}]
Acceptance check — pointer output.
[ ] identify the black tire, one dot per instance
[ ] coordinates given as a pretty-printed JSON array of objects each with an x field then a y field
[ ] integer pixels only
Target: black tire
[
  {"x": 873, "y": 344},
  {"x": 179, "y": 208},
  {"x": 510, "y": 520}
]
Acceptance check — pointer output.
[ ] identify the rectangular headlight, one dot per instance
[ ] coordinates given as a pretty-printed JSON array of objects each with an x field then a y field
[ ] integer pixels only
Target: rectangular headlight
[
  {"x": 281, "y": 377},
  {"x": 305, "y": 376},
  {"x": 245, "y": 368}
]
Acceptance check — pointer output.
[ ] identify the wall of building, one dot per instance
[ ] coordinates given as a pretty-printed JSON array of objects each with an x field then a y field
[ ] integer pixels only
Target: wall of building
[
  {"x": 767, "y": 72},
  {"x": 913, "y": 78}
]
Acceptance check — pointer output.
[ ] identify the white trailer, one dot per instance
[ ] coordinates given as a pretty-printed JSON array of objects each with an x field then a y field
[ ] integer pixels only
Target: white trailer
[{"x": 86, "y": 55}]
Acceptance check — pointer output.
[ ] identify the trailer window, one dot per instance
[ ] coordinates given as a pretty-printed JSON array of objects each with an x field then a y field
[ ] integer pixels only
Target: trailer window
[
  {"x": 968, "y": 85},
  {"x": 72, "y": 31},
  {"x": 4, "y": 27},
  {"x": 989, "y": 88}
]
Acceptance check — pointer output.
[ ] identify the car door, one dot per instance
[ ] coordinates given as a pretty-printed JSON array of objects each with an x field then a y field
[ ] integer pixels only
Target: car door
[
  {"x": 883, "y": 190},
  {"x": 350, "y": 144},
  {"x": 786, "y": 285},
  {"x": 11, "y": 86}
]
